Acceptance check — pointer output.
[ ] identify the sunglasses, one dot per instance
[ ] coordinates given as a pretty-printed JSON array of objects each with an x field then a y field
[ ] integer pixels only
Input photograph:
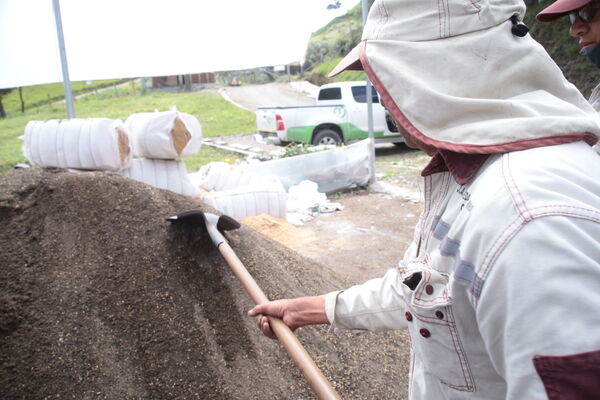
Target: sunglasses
[{"x": 585, "y": 13}]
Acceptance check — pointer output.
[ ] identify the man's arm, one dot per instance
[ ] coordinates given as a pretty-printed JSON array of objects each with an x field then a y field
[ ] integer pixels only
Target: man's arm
[
  {"x": 375, "y": 305},
  {"x": 294, "y": 313}
]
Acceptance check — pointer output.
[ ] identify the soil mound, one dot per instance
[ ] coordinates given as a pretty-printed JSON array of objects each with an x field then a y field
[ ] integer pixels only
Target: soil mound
[{"x": 100, "y": 297}]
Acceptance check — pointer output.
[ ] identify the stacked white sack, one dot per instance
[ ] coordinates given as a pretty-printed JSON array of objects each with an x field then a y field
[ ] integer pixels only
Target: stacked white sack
[
  {"x": 90, "y": 144},
  {"x": 248, "y": 201},
  {"x": 240, "y": 193},
  {"x": 219, "y": 175},
  {"x": 167, "y": 135},
  {"x": 164, "y": 174}
]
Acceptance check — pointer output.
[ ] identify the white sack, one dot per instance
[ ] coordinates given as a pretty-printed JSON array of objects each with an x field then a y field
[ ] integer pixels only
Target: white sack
[
  {"x": 222, "y": 176},
  {"x": 305, "y": 196},
  {"x": 164, "y": 174},
  {"x": 240, "y": 193},
  {"x": 168, "y": 135},
  {"x": 91, "y": 144},
  {"x": 248, "y": 201}
]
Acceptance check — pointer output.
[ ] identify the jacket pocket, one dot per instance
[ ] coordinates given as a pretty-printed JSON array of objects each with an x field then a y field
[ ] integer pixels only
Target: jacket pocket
[{"x": 434, "y": 336}]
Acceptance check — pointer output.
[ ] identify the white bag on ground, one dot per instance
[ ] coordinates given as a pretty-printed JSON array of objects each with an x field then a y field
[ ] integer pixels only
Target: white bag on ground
[
  {"x": 168, "y": 135},
  {"x": 222, "y": 176},
  {"x": 248, "y": 201},
  {"x": 163, "y": 174},
  {"x": 240, "y": 193},
  {"x": 90, "y": 144}
]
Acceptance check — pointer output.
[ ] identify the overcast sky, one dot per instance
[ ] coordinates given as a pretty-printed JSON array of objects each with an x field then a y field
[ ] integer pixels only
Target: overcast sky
[{"x": 130, "y": 38}]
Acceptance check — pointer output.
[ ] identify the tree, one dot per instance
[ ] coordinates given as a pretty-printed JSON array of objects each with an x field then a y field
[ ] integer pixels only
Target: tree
[
  {"x": 21, "y": 98},
  {"x": 335, "y": 5},
  {"x": 2, "y": 93}
]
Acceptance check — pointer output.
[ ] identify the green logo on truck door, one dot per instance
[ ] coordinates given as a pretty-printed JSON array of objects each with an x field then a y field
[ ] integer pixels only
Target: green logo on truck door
[{"x": 340, "y": 110}]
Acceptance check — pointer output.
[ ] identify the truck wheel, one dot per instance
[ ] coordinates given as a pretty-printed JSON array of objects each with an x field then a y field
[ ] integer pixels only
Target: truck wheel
[{"x": 327, "y": 137}]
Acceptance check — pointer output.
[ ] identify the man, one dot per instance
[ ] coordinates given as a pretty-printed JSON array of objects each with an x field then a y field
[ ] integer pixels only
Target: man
[
  {"x": 500, "y": 288},
  {"x": 585, "y": 25}
]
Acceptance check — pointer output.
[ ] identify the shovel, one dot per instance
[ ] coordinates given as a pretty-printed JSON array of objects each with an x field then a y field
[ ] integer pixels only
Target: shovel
[{"x": 214, "y": 225}]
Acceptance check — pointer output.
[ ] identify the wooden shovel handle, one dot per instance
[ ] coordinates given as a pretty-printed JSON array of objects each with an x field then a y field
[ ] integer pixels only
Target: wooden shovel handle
[{"x": 304, "y": 362}]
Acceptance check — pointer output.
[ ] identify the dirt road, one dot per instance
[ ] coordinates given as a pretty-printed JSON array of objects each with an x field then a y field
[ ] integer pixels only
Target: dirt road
[{"x": 270, "y": 94}]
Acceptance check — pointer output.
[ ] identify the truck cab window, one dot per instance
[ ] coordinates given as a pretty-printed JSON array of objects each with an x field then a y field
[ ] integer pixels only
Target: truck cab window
[
  {"x": 330, "y": 94},
  {"x": 360, "y": 94}
]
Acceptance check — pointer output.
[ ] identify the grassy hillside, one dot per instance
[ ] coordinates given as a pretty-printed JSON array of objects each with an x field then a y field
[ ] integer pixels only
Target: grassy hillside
[
  {"x": 335, "y": 39},
  {"x": 328, "y": 45},
  {"x": 217, "y": 117}
]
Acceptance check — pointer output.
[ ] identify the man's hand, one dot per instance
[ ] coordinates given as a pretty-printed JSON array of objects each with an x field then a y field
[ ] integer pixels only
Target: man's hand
[{"x": 293, "y": 312}]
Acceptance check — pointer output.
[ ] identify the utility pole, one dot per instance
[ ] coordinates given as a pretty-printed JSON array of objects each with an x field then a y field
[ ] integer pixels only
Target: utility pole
[
  {"x": 365, "y": 12},
  {"x": 63, "y": 60}
]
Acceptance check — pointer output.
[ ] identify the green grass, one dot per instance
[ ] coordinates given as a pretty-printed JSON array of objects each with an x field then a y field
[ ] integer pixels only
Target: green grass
[
  {"x": 34, "y": 96},
  {"x": 217, "y": 117},
  {"x": 326, "y": 67},
  {"x": 206, "y": 155},
  {"x": 339, "y": 27}
]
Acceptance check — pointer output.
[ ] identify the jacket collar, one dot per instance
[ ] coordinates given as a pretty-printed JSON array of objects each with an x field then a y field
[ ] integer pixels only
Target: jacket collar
[{"x": 462, "y": 166}]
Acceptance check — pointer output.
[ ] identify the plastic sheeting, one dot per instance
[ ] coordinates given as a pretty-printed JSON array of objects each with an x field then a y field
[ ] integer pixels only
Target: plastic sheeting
[
  {"x": 332, "y": 170},
  {"x": 90, "y": 144}
]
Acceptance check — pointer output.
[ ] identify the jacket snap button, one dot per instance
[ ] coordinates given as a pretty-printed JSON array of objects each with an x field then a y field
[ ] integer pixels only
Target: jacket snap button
[
  {"x": 429, "y": 289},
  {"x": 408, "y": 316},
  {"x": 439, "y": 315},
  {"x": 425, "y": 333}
]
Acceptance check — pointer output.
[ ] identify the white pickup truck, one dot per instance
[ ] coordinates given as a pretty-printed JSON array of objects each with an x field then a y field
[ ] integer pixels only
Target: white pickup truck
[{"x": 340, "y": 116}]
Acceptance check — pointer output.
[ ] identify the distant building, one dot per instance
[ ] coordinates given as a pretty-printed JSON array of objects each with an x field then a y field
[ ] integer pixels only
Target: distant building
[{"x": 180, "y": 80}]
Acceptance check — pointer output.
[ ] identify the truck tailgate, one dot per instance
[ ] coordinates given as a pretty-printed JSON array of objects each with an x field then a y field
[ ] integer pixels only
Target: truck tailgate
[{"x": 265, "y": 120}]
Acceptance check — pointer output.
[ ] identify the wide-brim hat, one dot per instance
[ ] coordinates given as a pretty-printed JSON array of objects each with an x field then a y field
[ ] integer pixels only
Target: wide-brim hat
[
  {"x": 457, "y": 78},
  {"x": 560, "y": 8}
]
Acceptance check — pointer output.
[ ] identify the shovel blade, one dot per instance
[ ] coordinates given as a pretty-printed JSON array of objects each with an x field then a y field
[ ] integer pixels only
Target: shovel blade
[{"x": 214, "y": 224}]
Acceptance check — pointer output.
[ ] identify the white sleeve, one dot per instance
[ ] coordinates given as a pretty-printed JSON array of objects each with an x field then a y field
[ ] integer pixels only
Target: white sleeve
[
  {"x": 376, "y": 305},
  {"x": 542, "y": 298}
]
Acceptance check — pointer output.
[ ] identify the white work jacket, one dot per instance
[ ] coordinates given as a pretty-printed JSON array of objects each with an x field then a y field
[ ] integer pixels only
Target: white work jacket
[
  {"x": 502, "y": 271},
  {"x": 595, "y": 102}
]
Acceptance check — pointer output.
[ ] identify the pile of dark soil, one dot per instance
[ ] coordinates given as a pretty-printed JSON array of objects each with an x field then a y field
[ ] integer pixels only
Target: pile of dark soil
[{"x": 100, "y": 297}]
